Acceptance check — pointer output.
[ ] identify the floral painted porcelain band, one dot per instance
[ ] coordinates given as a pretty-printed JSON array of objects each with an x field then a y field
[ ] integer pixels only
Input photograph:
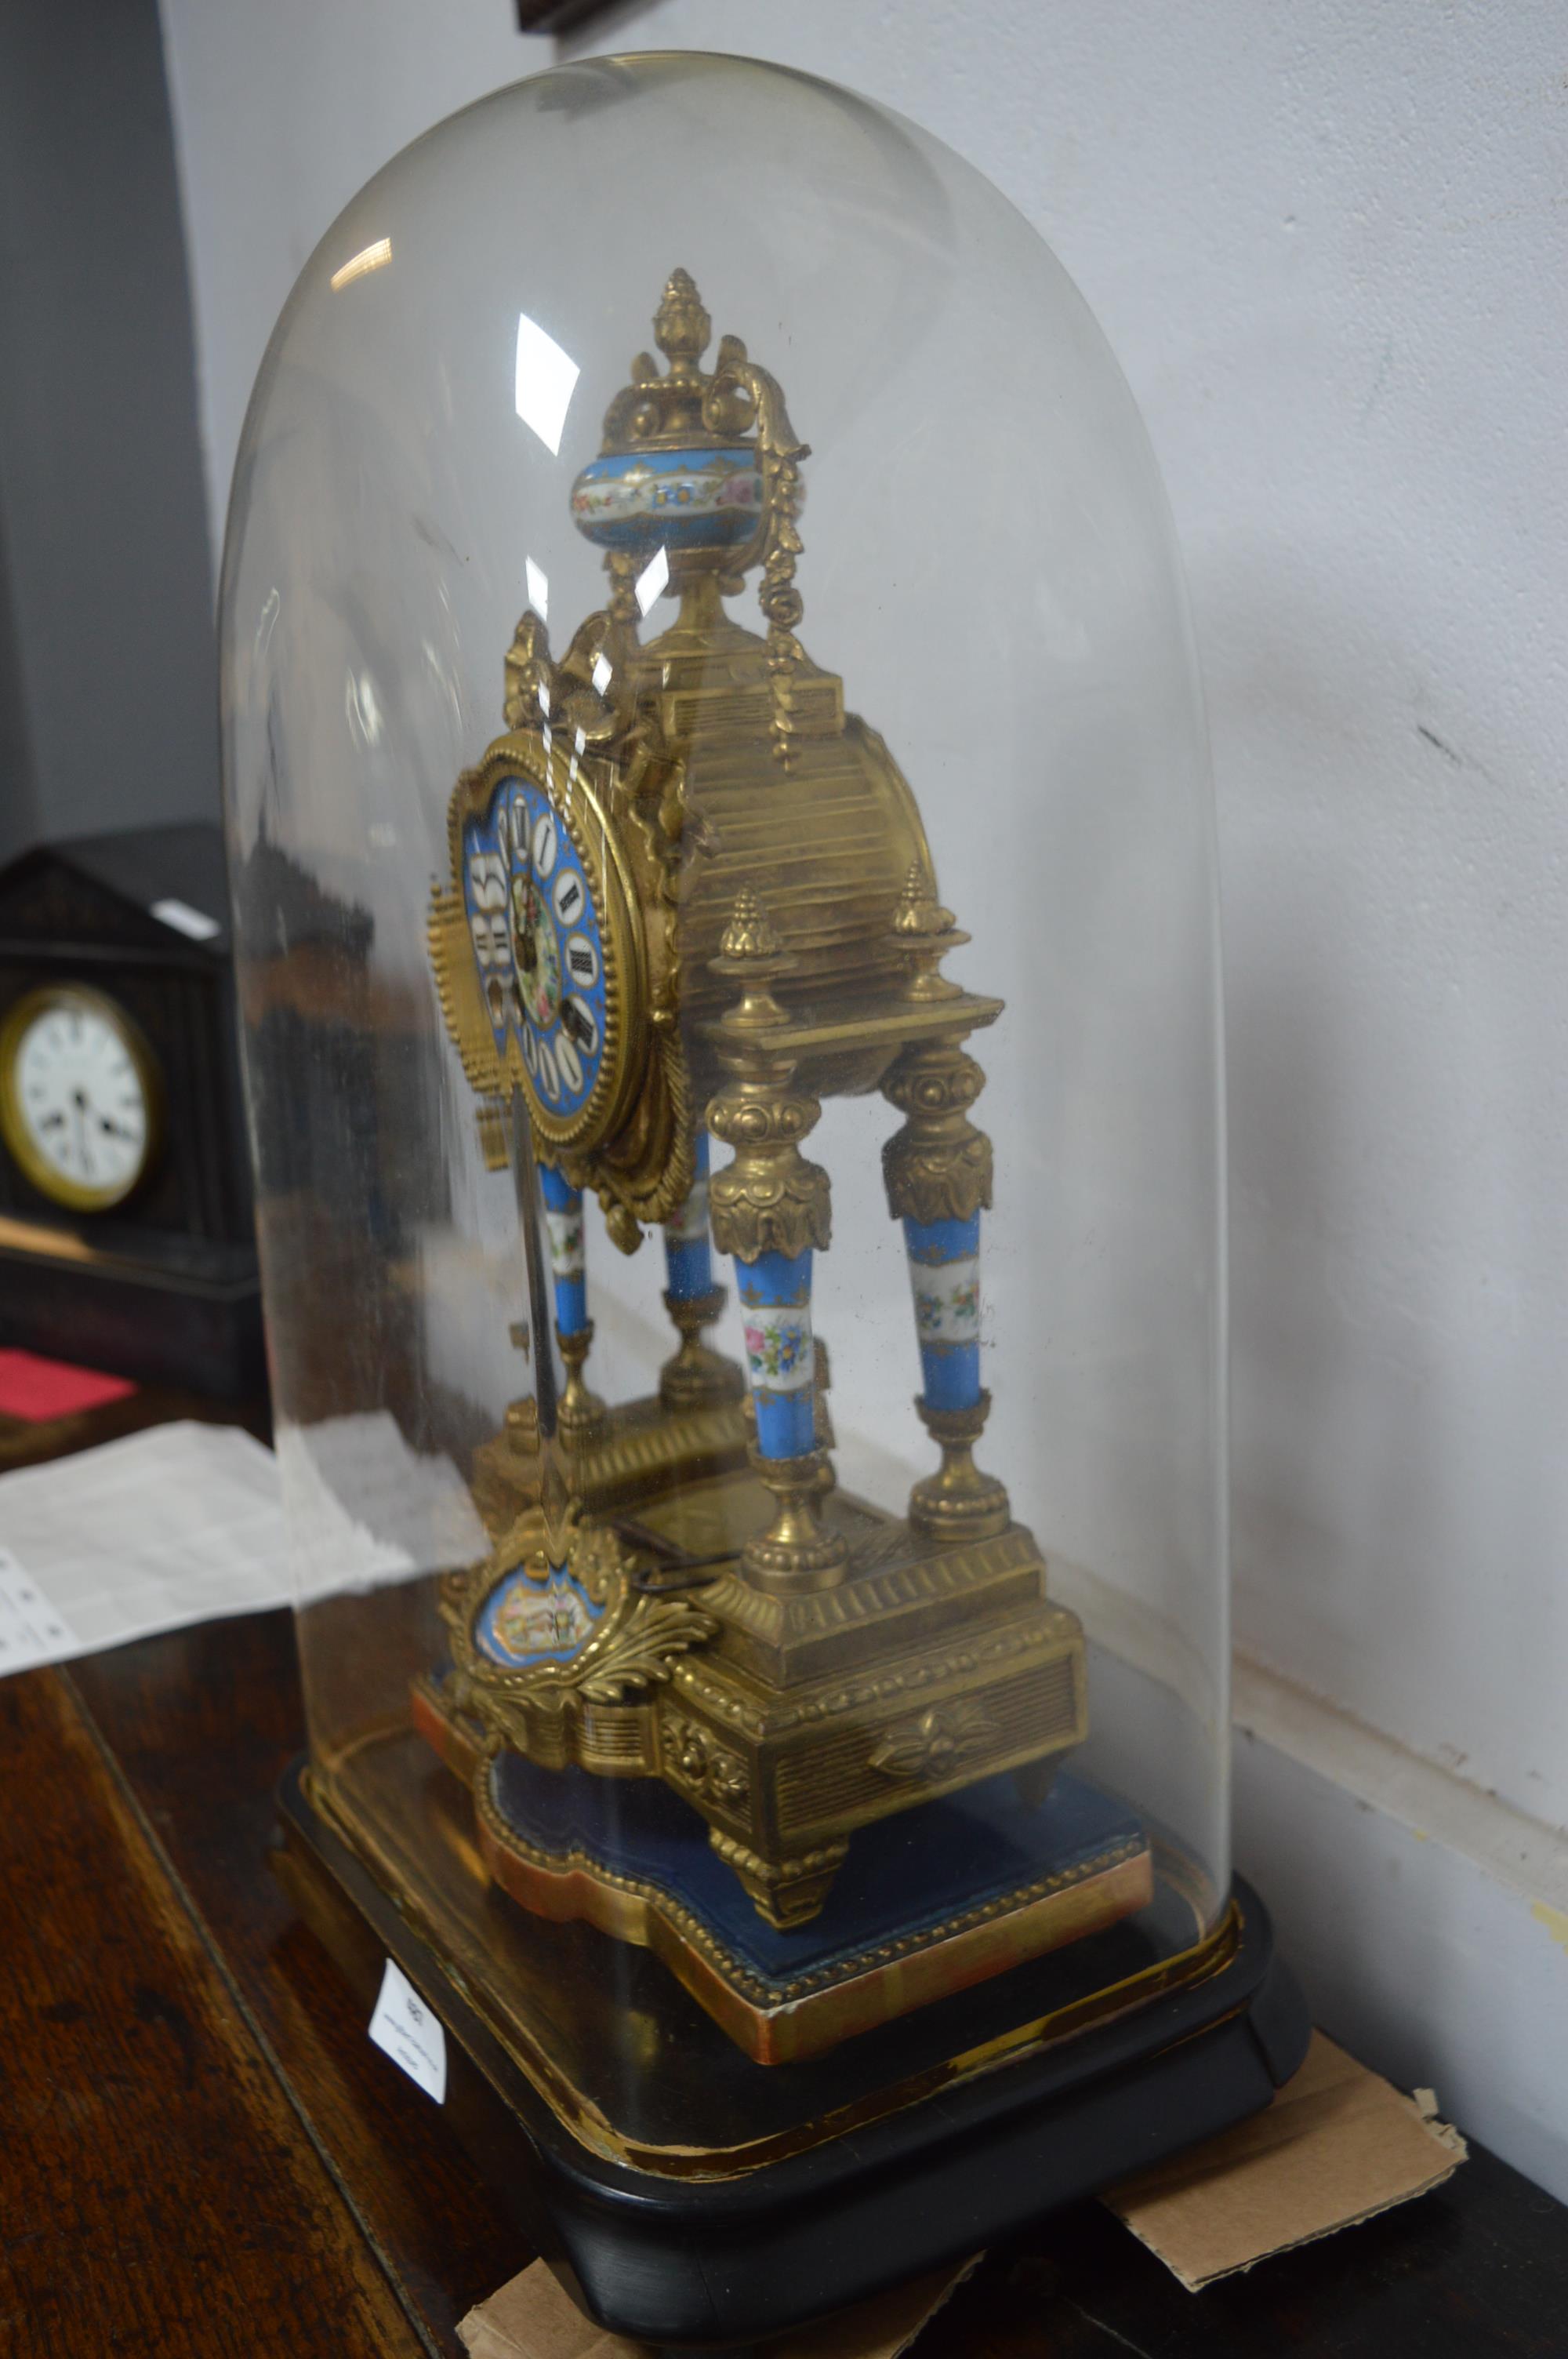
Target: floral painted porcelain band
[{"x": 678, "y": 499}]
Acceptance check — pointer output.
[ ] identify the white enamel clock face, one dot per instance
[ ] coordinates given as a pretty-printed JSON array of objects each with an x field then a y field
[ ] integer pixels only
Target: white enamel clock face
[{"x": 78, "y": 1097}]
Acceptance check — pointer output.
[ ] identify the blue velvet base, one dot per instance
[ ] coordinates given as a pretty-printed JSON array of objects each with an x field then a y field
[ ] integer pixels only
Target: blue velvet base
[{"x": 906, "y": 1873}]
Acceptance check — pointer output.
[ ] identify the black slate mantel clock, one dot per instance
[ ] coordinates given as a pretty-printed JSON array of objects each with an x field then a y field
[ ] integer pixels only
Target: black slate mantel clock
[{"x": 126, "y": 1234}]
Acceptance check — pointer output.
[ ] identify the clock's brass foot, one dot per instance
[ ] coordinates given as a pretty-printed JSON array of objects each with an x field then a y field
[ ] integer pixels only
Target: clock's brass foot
[
  {"x": 798, "y": 1551},
  {"x": 788, "y": 1892},
  {"x": 1034, "y": 1779},
  {"x": 580, "y": 1413},
  {"x": 696, "y": 1376},
  {"x": 958, "y": 1500}
]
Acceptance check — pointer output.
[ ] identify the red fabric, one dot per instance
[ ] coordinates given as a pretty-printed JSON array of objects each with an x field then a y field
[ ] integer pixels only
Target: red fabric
[{"x": 34, "y": 1389}]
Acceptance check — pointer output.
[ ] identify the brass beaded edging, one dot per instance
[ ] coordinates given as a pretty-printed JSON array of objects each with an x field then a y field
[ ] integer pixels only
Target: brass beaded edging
[{"x": 698, "y": 1936}]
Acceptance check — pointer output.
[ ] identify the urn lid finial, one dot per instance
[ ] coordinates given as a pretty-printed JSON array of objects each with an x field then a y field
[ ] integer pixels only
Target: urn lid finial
[
  {"x": 681, "y": 466},
  {"x": 682, "y": 328}
]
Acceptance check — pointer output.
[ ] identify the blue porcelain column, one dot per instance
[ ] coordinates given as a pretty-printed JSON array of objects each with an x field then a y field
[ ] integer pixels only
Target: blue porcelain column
[
  {"x": 580, "y": 1412},
  {"x": 939, "y": 1174},
  {"x": 776, "y": 1303},
  {"x": 688, "y": 1253},
  {"x": 771, "y": 1213},
  {"x": 695, "y": 1377},
  {"x": 945, "y": 1275}
]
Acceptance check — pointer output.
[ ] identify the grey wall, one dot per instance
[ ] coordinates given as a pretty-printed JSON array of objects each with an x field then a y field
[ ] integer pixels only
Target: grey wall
[
  {"x": 108, "y": 698},
  {"x": 18, "y": 782}
]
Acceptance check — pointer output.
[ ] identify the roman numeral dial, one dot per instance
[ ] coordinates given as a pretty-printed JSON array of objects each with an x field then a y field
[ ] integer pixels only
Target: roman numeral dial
[
  {"x": 553, "y": 935},
  {"x": 81, "y": 1096}
]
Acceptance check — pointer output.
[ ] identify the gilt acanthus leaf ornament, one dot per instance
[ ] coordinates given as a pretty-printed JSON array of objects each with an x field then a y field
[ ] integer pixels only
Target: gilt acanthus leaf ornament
[
  {"x": 630, "y": 1645},
  {"x": 939, "y": 1167},
  {"x": 938, "y": 1745}
]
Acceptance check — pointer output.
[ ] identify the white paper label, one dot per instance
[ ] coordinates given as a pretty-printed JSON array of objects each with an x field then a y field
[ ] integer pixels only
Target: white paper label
[
  {"x": 410, "y": 2033},
  {"x": 31, "y": 1631},
  {"x": 184, "y": 920}
]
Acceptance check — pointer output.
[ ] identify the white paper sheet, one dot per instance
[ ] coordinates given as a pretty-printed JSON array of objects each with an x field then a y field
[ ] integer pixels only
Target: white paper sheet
[
  {"x": 185, "y": 1523},
  {"x": 364, "y": 1509},
  {"x": 182, "y": 1523},
  {"x": 31, "y": 1629}
]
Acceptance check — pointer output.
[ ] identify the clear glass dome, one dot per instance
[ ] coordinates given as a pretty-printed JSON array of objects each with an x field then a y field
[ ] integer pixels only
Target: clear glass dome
[{"x": 614, "y": 782}]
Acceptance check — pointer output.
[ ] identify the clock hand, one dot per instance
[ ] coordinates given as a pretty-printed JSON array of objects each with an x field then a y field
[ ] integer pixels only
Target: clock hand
[
  {"x": 527, "y": 946},
  {"x": 78, "y": 1107}
]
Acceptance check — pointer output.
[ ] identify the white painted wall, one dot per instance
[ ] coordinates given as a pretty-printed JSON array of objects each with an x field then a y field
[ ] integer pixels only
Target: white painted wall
[{"x": 1325, "y": 241}]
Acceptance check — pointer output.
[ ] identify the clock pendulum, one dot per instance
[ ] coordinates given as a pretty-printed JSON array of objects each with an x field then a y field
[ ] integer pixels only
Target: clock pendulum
[{"x": 707, "y": 1701}]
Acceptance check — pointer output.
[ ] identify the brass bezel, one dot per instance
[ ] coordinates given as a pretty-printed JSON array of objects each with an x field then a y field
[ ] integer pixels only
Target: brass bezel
[
  {"x": 585, "y": 817},
  {"x": 74, "y": 1195}
]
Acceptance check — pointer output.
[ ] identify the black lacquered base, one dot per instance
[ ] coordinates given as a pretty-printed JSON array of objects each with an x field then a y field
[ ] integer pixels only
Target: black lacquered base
[
  {"x": 702, "y": 2262},
  {"x": 189, "y": 1317}
]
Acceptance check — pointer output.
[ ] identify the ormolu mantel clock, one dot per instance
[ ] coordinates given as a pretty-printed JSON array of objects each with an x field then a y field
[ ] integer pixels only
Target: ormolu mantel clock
[
  {"x": 586, "y": 916},
  {"x": 710, "y": 1731}
]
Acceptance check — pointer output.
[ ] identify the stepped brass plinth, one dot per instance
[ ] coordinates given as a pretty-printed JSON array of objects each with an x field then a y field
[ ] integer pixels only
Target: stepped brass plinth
[
  {"x": 789, "y": 1717},
  {"x": 790, "y": 1727}
]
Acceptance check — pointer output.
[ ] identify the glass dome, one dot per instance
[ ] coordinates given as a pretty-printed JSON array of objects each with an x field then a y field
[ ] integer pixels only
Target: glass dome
[{"x": 659, "y": 780}]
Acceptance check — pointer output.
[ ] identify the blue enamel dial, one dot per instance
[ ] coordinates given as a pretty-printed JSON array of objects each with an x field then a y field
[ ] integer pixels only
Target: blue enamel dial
[{"x": 538, "y": 940}]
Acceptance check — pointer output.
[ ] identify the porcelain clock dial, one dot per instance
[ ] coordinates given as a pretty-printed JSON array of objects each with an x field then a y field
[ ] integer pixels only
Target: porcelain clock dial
[
  {"x": 543, "y": 940},
  {"x": 79, "y": 1096}
]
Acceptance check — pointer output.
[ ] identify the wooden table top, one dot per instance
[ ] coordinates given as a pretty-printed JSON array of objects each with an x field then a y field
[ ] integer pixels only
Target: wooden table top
[{"x": 204, "y": 2154}]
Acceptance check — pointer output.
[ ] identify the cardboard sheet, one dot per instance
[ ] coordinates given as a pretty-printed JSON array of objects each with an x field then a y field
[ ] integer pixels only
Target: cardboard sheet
[
  {"x": 533, "y": 2318},
  {"x": 1336, "y": 2146}
]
